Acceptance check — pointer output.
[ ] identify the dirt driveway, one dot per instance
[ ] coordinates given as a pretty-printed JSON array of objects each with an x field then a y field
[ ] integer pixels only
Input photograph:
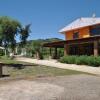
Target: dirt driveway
[{"x": 74, "y": 87}]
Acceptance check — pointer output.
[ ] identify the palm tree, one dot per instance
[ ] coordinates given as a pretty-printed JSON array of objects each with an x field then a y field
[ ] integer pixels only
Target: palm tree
[{"x": 24, "y": 33}]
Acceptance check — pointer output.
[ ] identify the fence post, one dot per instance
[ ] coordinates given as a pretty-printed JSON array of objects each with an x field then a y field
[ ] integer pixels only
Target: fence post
[{"x": 1, "y": 69}]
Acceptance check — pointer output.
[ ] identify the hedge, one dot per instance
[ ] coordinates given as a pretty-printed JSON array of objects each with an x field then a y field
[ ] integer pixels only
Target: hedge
[{"x": 81, "y": 60}]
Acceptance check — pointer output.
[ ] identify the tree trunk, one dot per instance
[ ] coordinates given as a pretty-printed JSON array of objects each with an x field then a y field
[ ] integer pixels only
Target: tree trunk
[{"x": 38, "y": 55}]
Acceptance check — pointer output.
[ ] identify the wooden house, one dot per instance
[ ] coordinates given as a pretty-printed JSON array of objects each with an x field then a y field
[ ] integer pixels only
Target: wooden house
[{"x": 82, "y": 37}]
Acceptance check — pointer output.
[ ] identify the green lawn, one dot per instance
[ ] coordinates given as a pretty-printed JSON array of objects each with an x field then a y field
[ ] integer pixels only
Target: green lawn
[
  {"x": 18, "y": 69},
  {"x": 36, "y": 70},
  {"x": 8, "y": 60}
]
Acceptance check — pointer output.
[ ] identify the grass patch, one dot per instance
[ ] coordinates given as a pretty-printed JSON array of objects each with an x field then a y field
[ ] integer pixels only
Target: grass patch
[
  {"x": 8, "y": 60},
  {"x": 38, "y": 70},
  {"x": 21, "y": 69}
]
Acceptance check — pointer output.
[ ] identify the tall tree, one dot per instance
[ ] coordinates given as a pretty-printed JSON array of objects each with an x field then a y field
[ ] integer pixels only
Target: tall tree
[
  {"x": 9, "y": 29},
  {"x": 24, "y": 33}
]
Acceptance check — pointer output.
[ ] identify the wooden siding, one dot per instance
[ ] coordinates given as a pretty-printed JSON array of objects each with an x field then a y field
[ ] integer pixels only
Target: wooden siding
[
  {"x": 69, "y": 35},
  {"x": 83, "y": 33}
]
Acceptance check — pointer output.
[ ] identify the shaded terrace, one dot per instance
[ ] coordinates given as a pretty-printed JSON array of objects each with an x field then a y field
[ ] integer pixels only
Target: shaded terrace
[{"x": 95, "y": 40}]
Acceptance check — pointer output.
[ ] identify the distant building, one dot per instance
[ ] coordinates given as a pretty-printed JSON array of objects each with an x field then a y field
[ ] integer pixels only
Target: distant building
[{"x": 82, "y": 37}]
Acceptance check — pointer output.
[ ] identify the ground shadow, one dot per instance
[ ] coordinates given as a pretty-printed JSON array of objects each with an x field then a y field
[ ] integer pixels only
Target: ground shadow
[
  {"x": 18, "y": 66},
  {"x": 2, "y": 76}
]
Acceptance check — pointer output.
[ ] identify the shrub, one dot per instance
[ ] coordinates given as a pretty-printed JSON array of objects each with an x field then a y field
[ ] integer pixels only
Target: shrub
[
  {"x": 93, "y": 61},
  {"x": 68, "y": 59},
  {"x": 81, "y": 60},
  {"x": 40, "y": 55}
]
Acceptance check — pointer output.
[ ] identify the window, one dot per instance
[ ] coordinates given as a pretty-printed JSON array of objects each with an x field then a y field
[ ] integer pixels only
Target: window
[
  {"x": 95, "y": 30},
  {"x": 75, "y": 35}
]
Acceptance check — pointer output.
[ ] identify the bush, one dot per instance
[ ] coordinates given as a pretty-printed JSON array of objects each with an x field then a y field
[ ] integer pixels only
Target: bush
[
  {"x": 93, "y": 61},
  {"x": 68, "y": 59},
  {"x": 81, "y": 60},
  {"x": 40, "y": 55}
]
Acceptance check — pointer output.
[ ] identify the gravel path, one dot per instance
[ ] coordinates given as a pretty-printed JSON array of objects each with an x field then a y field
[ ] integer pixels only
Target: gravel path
[
  {"x": 30, "y": 90},
  {"x": 77, "y": 87},
  {"x": 74, "y": 87},
  {"x": 54, "y": 63}
]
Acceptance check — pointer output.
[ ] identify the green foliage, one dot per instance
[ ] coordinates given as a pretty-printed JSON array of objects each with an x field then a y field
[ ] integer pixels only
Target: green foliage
[
  {"x": 24, "y": 33},
  {"x": 93, "y": 61},
  {"x": 10, "y": 29},
  {"x": 37, "y": 49},
  {"x": 34, "y": 46},
  {"x": 41, "y": 55},
  {"x": 68, "y": 59},
  {"x": 8, "y": 60},
  {"x": 81, "y": 60}
]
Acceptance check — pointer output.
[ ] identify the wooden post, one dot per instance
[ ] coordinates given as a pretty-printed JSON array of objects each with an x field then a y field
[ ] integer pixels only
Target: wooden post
[
  {"x": 95, "y": 48},
  {"x": 66, "y": 49},
  {"x": 0, "y": 69},
  {"x": 50, "y": 53},
  {"x": 55, "y": 53},
  {"x": 81, "y": 49}
]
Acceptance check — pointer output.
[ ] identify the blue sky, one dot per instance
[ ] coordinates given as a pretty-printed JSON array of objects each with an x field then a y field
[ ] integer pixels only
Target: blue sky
[{"x": 48, "y": 16}]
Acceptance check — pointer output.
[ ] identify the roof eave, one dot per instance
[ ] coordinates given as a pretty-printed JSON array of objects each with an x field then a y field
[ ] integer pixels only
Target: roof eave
[{"x": 63, "y": 32}]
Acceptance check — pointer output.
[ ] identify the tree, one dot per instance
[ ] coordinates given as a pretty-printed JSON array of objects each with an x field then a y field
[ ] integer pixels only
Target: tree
[
  {"x": 37, "y": 48},
  {"x": 24, "y": 33},
  {"x": 9, "y": 30}
]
